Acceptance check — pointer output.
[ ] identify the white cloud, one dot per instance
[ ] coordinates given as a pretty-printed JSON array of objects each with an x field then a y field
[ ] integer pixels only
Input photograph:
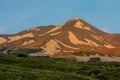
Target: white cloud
[
  {"x": 105, "y": 29},
  {"x": 2, "y": 30}
]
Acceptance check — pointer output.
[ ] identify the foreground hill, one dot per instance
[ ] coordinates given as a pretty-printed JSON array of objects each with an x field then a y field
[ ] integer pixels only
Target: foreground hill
[
  {"x": 72, "y": 36},
  {"x": 44, "y": 68}
]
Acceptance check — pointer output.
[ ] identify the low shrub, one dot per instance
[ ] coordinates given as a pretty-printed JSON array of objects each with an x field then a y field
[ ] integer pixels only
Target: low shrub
[{"x": 22, "y": 55}]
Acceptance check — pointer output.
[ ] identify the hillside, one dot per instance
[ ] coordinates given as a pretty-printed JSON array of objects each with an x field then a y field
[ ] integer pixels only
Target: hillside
[
  {"x": 75, "y": 35},
  {"x": 45, "y": 68}
]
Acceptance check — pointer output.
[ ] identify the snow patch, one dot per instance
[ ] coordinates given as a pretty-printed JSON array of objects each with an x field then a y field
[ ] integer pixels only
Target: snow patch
[
  {"x": 67, "y": 46},
  {"x": 73, "y": 39},
  {"x": 102, "y": 58},
  {"x": 51, "y": 47},
  {"x": 2, "y": 40},
  {"x": 55, "y": 33},
  {"x": 68, "y": 51},
  {"x": 14, "y": 38},
  {"x": 38, "y": 29},
  {"x": 97, "y": 37},
  {"x": 37, "y": 54},
  {"x": 109, "y": 46},
  {"x": 80, "y": 26},
  {"x": 52, "y": 30},
  {"x": 92, "y": 43},
  {"x": 28, "y": 42},
  {"x": 30, "y": 29},
  {"x": 87, "y": 28},
  {"x": 27, "y": 35}
]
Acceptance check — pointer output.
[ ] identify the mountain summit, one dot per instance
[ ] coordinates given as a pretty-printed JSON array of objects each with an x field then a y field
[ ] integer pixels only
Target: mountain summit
[{"x": 65, "y": 39}]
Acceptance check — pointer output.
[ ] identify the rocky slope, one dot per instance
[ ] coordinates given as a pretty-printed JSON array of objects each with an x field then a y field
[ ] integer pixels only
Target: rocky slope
[{"x": 63, "y": 40}]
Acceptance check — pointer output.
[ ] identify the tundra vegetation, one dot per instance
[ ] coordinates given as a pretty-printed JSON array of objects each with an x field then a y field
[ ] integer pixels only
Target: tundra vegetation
[{"x": 21, "y": 67}]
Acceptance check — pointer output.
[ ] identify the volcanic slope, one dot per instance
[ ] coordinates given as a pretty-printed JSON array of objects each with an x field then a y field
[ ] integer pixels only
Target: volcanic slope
[{"x": 63, "y": 40}]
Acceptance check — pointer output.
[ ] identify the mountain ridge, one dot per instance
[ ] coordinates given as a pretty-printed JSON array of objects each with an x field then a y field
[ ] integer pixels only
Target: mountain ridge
[{"x": 65, "y": 38}]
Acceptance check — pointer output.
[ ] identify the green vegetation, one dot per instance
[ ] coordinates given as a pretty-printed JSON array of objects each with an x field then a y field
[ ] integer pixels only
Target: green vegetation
[
  {"x": 45, "y": 68},
  {"x": 24, "y": 51},
  {"x": 84, "y": 52}
]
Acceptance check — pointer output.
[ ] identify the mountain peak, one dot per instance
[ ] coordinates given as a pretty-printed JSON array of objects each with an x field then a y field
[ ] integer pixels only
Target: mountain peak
[
  {"x": 77, "y": 23},
  {"x": 75, "y": 19},
  {"x": 72, "y": 22}
]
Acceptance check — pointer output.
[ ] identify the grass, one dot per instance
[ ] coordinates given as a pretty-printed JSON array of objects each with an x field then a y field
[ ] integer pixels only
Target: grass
[{"x": 44, "y": 68}]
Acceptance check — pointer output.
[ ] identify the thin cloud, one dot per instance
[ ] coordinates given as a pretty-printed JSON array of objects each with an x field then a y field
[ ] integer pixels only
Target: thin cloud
[
  {"x": 105, "y": 29},
  {"x": 2, "y": 30}
]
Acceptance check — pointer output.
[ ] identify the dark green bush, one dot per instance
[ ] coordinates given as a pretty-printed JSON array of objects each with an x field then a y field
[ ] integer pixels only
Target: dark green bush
[
  {"x": 22, "y": 55},
  {"x": 81, "y": 53}
]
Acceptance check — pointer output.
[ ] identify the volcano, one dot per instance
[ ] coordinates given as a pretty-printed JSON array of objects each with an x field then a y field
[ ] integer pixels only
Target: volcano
[{"x": 67, "y": 39}]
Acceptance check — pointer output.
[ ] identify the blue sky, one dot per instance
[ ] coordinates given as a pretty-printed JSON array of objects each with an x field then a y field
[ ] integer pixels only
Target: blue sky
[{"x": 18, "y": 15}]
